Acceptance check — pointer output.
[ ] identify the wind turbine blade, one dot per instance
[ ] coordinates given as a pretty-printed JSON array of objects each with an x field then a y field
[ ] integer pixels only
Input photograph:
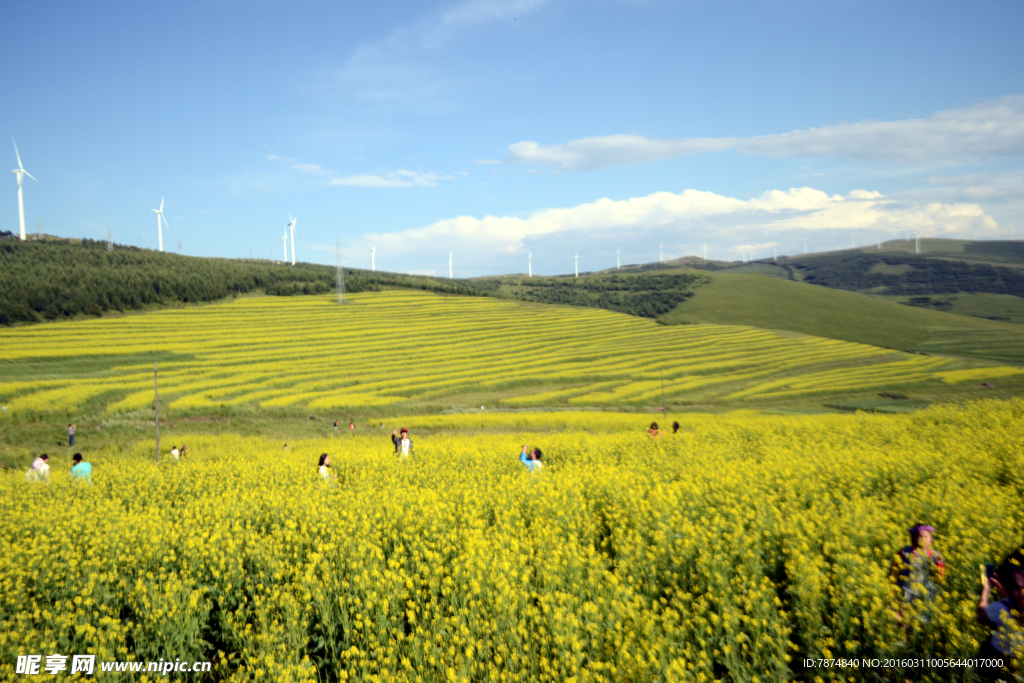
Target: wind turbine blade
[
  {"x": 29, "y": 175},
  {"x": 165, "y": 219},
  {"x": 161, "y": 204},
  {"x": 17, "y": 154}
]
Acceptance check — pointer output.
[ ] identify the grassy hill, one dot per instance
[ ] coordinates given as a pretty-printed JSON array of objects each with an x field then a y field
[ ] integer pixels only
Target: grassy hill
[{"x": 733, "y": 298}]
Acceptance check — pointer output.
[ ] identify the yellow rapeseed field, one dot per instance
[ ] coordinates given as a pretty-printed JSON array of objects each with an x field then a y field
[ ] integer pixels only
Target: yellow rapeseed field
[
  {"x": 420, "y": 351},
  {"x": 731, "y": 551}
]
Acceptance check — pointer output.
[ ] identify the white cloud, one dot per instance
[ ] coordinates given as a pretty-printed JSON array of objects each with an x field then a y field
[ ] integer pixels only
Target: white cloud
[
  {"x": 775, "y": 211},
  {"x": 987, "y": 130},
  {"x": 399, "y": 178}
]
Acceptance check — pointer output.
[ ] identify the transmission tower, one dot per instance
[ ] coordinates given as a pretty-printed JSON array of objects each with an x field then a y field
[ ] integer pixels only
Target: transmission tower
[{"x": 339, "y": 274}]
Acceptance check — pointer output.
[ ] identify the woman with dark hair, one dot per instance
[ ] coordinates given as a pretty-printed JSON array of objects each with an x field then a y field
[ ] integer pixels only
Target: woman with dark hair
[
  {"x": 323, "y": 467},
  {"x": 675, "y": 427},
  {"x": 653, "y": 431}
]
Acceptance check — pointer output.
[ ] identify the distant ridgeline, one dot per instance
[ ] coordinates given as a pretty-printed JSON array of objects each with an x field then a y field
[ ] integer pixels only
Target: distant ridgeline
[
  {"x": 642, "y": 295},
  {"x": 55, "y": 279},
  {"x": 908, "y": 274}
]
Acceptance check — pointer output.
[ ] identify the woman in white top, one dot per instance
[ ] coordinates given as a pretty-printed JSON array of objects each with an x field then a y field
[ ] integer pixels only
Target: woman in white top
[
  {"x": 40, "y": 469},
  {"x": 323, "y": 468}
]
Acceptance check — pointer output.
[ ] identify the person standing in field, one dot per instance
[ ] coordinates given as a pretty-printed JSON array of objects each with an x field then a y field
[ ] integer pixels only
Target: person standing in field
[
  {"x": 405, "y": 444},
  {"x": 175, "y": 453},
  {"x": 916, "y": 567},
  {"x": 531, "y": 458},
  {"x": 335, "y": 425},
  {"x": 81, "y": 470},
  {"x": 675, "y": 427},
  {"x": 323, "y": 467},
  {"x": 653, "y": 430},
  {"x": 351, "y": 427},
  {"x": 535, "y": 456},
  {"x": 40, "y": 469},
  {"x": 1004, "y": 616},
  {"x": 71, "y": 435}
]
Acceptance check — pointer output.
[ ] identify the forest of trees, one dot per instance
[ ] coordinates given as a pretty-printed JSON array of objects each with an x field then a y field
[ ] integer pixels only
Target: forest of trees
[
  {"x": 921, "y": 275},
  {"x": 647, "y": 296},
  {"x": 57, "y": 279}
]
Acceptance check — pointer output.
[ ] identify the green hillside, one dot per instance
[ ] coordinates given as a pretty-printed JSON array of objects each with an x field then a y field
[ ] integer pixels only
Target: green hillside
[
  {"x": 774, "y": 303},
  {"x": 58, "y": 279}
]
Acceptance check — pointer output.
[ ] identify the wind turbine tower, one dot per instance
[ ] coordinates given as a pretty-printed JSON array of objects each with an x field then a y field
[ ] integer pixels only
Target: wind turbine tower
[
  {"x": 450, "y": 277},
  {"x": 775, "y": 253},
  {"x": 21, "y": 173},
  {"x": 577, "y": 265},
  {"x": 373, "y": 258},
  {"x": 284, "y": 238},
  {"x": 292, "y": 226},
  {"x": 529, "y": 264},
  {"x": 159, "y": 228},
  {"x": 917, "y": 243},
  {"x": 618, "y": 259},
  {"x": 661, "y": 259},
  {"x": 110, "y": 240}
]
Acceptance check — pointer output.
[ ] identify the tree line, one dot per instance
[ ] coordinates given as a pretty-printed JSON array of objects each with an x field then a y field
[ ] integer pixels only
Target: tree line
[{"x": 59, "y": 279}]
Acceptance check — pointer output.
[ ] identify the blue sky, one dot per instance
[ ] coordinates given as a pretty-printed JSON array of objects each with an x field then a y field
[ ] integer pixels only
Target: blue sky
[{"x": 493, "y": 129}]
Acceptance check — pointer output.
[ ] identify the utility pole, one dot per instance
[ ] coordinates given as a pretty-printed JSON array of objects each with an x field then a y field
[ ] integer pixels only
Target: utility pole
[
  {"x": 339, "y": 273},
  {"x": 156, "y": 410}
]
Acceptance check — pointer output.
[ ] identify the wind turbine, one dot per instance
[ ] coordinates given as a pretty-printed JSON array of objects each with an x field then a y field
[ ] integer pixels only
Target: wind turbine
[
  {"x": 21, "y": 173},
  {"x": 449, "y": 265},
  {"x": 373, "y": 260},
  {"x": 577, "y": 257},
  {"x": 284, "y": 238},
  {"x": 661, "y": 258},
  {"x": 529, "y": 263},
  {"x": 292, "y": 226},
  {"x": 159, "y": 228},
  {"x": 618, "y": 260}
]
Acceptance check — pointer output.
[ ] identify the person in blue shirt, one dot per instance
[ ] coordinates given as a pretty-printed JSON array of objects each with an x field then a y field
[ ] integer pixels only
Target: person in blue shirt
[
  {"x": 81, "y": 470},
  {"x": 530, "y": 458}
]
